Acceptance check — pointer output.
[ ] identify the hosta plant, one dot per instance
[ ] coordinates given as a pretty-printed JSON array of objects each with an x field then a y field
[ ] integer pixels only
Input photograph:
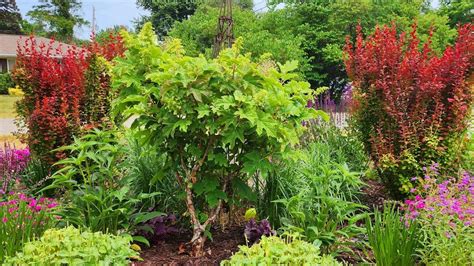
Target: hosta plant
[
  {"x": 277, "y": 251},
  {"x": 217, "y": 120},
  {"x": 70, "y": 246},
  {"x": 22, "y": 219}
]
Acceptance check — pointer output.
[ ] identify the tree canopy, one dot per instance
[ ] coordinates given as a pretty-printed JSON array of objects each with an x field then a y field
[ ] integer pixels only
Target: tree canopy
[{"x": 55, "y": 18}]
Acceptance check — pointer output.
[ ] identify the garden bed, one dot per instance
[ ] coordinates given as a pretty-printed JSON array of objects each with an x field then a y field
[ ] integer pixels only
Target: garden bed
[{"x": 171, "y": 251}]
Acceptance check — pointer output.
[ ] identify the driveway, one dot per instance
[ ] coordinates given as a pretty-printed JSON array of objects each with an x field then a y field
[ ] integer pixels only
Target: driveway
[{"x": 7, "y": 126}]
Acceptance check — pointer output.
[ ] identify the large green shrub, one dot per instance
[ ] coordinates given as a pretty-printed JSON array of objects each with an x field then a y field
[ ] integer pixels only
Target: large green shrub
[
  {"x": 70, "y": 246},
  {"x": 276, "y": 251},
  {"x": 216, "y": 120},
  {"x": 6, "y": 82}
]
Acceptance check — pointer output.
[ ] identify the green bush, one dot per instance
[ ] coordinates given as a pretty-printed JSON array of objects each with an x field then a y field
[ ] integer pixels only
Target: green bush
[
  {"x": 276, "y": 251},
  {"x": 6, "y": 82},
  {"x": 393, "y": 242},
  {"x": 97, "y": 194},
  {"x": 72, "y": 247},
  {"x": 218, "y": 121},
  {"x": 317, "y": 197}
]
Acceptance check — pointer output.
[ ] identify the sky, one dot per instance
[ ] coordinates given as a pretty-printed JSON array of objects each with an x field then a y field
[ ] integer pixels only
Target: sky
[
  {"x": 116, "y": 12},
  {"x": 108, "y": 13}
]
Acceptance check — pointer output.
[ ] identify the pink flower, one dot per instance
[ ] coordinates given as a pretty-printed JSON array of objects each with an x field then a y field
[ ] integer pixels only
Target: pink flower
[
  {"x": 4, "y": 219},
  {"x": 32, "y": 203},
  {"x": 52, "y": 205}
]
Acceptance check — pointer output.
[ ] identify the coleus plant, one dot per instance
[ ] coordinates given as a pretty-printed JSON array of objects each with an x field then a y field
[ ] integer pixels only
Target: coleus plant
[{"x": 218, "y": 120}]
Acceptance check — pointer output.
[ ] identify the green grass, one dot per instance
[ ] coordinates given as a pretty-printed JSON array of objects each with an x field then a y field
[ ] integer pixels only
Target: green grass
[{"x": 7, "y": 106}]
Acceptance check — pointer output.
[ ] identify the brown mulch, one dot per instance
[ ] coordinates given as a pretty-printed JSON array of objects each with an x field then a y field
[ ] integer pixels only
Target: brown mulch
[
  {"x": 166, "y": 251},
  {"x": 374, "y": 194}
]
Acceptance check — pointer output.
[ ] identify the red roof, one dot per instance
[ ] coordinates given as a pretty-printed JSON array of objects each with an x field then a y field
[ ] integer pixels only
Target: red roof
[{"x": 9, "y": 44}]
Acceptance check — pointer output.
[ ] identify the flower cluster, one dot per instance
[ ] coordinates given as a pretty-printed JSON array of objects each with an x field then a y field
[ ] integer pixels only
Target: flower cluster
[
  {"x": 450, "y": 201},
  {"x": 12, "y": 162},
  {"x": 23, "y": 218}
]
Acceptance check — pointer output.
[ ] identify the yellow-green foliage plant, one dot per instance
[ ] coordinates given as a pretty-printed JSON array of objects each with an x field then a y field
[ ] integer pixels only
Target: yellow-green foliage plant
[
  {"x": 218, "y": 121},
  {"x": 70, "y": 246},
  {"x": 276, "y": 251},
  {"x": 17, "y": 91}
]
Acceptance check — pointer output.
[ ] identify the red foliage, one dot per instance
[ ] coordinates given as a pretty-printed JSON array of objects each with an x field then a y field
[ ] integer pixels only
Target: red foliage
[
  {"x": 405, "y": 96},
  {"x": 110, "y": 47},
  {"x": 53, "y": 82}
]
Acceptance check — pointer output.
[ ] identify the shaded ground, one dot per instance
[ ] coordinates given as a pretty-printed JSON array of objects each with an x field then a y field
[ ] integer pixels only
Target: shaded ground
[
  {"x": 166, "y": 251},
  {"x": 374, "y": 194}
]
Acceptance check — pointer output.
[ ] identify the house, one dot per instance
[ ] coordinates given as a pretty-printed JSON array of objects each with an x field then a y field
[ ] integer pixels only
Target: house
[{"x": 9, "y": 44}]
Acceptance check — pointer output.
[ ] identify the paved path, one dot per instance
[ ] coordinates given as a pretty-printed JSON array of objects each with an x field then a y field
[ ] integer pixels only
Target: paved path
[{"x": 7, "y": 126}]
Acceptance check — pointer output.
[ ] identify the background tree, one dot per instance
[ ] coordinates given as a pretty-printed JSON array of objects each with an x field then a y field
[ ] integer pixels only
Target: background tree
[
  {"x": 262, "y": 36},
  {"x": 458, "y": 11},
  {"x": 163, "y": 14},
  {"x": 313, "y": 32},
  {"x": 55, "y": 18},
  {"x": 10, "y": 18}
]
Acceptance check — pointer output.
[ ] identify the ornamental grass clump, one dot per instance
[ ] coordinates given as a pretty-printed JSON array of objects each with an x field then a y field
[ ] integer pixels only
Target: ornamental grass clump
[
  {"x": 445, "y": 211},
  {"x": 23, "y": 219},
  {"x": 12, "y": 163}
]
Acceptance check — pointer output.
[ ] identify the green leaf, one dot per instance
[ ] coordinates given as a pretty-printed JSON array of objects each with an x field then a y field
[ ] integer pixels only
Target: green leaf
[
  {"x": 142, "y": 240},
  {"x": 144, "y": 217},
  {"x": 206, "y": 185},
  {"x": 214, "y": 196},
  {"x": 203, "y": 110}
]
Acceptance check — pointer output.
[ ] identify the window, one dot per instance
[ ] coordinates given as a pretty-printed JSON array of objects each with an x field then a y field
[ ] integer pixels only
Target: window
[{"x": 3, "y": 65}]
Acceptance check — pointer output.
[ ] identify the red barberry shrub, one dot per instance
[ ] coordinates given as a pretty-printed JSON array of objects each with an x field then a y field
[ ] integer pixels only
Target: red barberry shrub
[
  {"x": 410, "y": 107},
  {"x": 52, "y": 77}
]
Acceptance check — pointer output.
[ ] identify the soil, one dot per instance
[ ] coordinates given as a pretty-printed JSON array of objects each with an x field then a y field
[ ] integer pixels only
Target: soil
[
  {"x": 374, "y": 194},
  {"x": 172, "y": 251}
]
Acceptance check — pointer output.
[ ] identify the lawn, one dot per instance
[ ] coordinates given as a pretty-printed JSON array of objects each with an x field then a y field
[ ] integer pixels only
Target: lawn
[{"x": 7, "y": 106}]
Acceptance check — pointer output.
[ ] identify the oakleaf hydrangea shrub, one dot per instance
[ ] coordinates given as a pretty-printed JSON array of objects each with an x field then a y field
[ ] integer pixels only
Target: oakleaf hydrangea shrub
[
  {"x": 276, "y": 251},
  {"x": 410, "y": 107},
  {"x": 445, "y": 210},
  {"x": 23, "y": 218},
  {"x": 218, "y": 121},
  {"x": 70, "y": 246}
]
